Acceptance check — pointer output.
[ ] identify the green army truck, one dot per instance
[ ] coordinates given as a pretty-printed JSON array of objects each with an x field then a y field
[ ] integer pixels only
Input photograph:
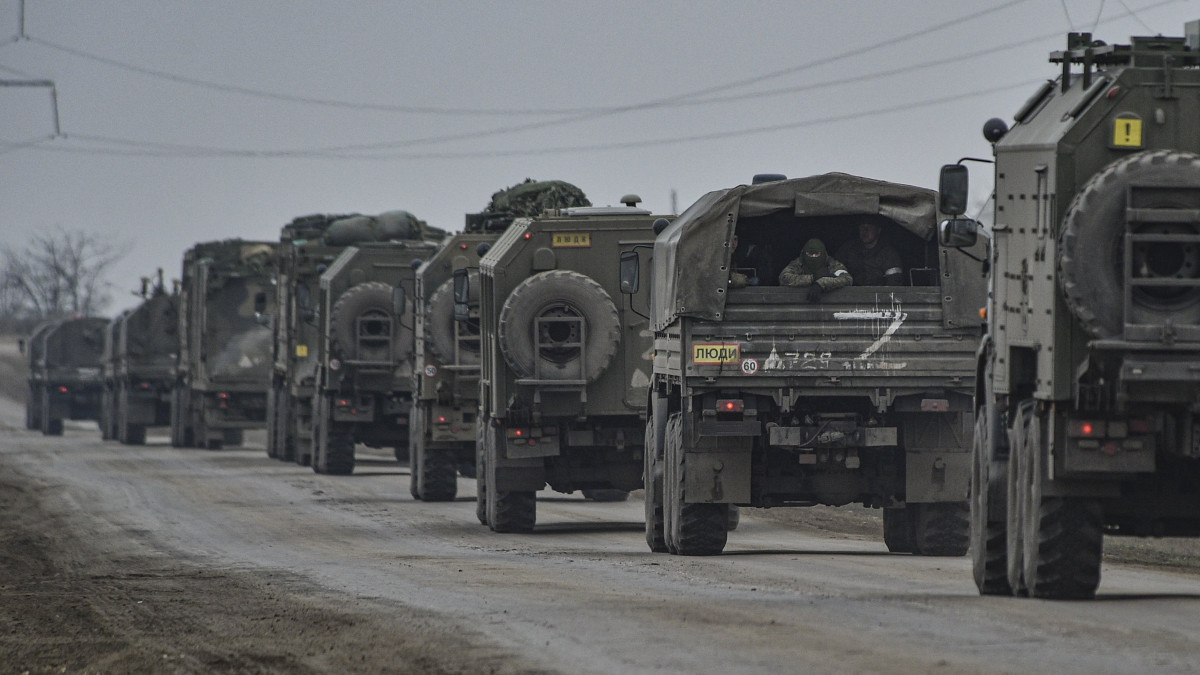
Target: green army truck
[
  {"x": 309, "y": 245},
  {"x": 222, "y": 371},
  {"x": 765, "y": 396},
  {"x": 446, "y": 358},
  {"x": 140, "y": 353},
  {"x": 1088, "y": 389},
  {"x": 563, "y": 368},
  {"x": 364, "y": 352},
  {"x": 65, "y": 372}
]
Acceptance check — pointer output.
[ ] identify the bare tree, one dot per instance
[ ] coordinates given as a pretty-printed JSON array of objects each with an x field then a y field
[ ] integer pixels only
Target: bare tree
[{"x": 60, "y": 272}]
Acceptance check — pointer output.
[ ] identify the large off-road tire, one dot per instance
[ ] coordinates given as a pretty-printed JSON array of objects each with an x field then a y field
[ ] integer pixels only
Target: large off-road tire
[
  {"x": 941, "y": 528},
  {"x": 303, "y": 452},
  {"x": 988, "y": 534},
  {"x": 481, "y": 441},
  {"x": 233, "y": 437},
  {"x": 1091, "y": 245},
  {"x": 51, "y": 426},
  {"x": 416, "y": 448},
  {"x": 507, "y": 510},
  {"x": 334, "y": 451},
  {"x": 1015, "y": 497},
  {"x": 440, "y": 324},
  {"x": 558, "y": 294},
  {"x": 439, "y": 477},
  {"x": 691, "y": 529},
  {"x": 107, "y": 425},
  {"x": 374, "y": 298},
  {"x": 899, "y": 530},
  {"x": 1062, "y": 536},
  {"x": 652, "y": 479}
]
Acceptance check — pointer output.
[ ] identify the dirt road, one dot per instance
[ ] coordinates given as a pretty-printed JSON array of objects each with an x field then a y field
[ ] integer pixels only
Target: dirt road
[{"x": 152, "y": 559}]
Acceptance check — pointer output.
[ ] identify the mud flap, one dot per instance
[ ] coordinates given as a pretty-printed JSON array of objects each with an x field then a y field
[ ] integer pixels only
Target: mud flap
[
  {"x": 937, "y": 476},
  {"x": 718, "y": 477}
]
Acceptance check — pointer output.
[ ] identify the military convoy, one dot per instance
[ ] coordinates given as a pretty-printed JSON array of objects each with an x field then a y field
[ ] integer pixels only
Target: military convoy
[
  {"x": 140, "y": 352},
  {"x": 221, "y": 375},
  {"x": 1087, "y": 382},
  {"x": 763, "y": 395},
  {"x": 65, "y": 372},
  {"x": 446, "y": 357},
  {"x": 564, "y": 367},
  {"x": 1063, "y": 410}
]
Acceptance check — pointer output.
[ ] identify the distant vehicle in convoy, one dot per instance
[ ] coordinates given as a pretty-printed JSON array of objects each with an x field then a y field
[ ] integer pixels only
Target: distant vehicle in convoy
[
  {"x": 764, "y": 395},
  {"x": 222, "y": 372},
  {"x": 1087, "y": 387},
  {"x": 563, "y": 368},
  {"x": 139, "y": 363},
  {"x": 373, "y": 343},
  {"x": 446, "y": 358},
  {"x": 65, "y": 380}
]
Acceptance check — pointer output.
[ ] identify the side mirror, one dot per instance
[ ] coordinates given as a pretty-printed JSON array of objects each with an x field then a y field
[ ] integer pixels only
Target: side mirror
[
  {"x": 958, "y": 232},
  {"x": 260, "y": 302},
  {"x": 630, "y": 271},
  {"x": 462, "y": 295},
  {"x": 483, "y": 248},
  {"x": 398, "y": 301},
  {"x": 952, "y": 190}
]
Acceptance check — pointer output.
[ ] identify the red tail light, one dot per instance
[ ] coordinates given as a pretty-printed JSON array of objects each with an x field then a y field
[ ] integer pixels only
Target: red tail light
[{"x": 730, "y": 405}]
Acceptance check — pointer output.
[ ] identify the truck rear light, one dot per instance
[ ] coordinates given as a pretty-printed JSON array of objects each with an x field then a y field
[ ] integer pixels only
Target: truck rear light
[
  {"x": 62, "y": 389},
  {"x": 730, "y": 405},
  {"x": 1085, "y": 429},
  {"x": 223, "y": 395},
  {"x": 442, "y": 419},
  {"x": 144, "y": 385}
]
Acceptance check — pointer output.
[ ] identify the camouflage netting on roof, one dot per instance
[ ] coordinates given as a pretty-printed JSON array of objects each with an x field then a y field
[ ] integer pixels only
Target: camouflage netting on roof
[
  {"x": 525, "y": 200},
  {"x": 387, "y": 226},
  {"x": 253, "y": 257},
  {"x": 691, "y": 256}
]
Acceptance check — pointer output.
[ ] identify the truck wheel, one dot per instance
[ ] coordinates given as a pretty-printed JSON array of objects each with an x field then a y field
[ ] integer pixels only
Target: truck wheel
[
  {"x": 233, "y": 437},
  {"x": 652, "y": 479},
  {"x": 558, "y": 297},
  {"x": 942, "y": 528},
  {"x": 735, "y": 518},
  {"x": 1062, "y": 536},
  {"x": 1015, "y": 499},
  {"x": 507, "y": 510},
  {"x": 440, "y": 325},
  {"x": 133, "y": 434},
  {"x": 691, "y": 529},
  {"x": 402, "y": 454},
  {"x": 439, "y": 479},
  {"x": 898, "y": 529},
  {"x": 303, "y": 446},
  {"x": 366, "y": 300},
  {"x": 334, "y": 451},
  {"x": 988, "y": 556},
  {"x": 606, "y": 495},
  {"x": 1092, "y": 242},
  {"x": 52, "y": 427},
  {"x": 481, "y": 441}
]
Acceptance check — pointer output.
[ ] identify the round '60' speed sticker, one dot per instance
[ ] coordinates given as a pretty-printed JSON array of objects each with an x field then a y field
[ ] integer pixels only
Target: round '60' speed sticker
[{"x": 749, "y": 366}]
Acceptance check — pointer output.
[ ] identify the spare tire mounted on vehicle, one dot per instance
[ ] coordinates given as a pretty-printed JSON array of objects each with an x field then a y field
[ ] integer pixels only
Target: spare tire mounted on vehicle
[
  {"x": 362, "y": 326},
  {"x": 558, "y": 323},
  {"x": 440, "y": 325},
  {"x": 1162, "y": 185}
]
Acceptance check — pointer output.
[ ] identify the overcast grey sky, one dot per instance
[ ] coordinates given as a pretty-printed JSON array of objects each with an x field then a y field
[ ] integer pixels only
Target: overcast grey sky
[{"x": 185, "y": 121}]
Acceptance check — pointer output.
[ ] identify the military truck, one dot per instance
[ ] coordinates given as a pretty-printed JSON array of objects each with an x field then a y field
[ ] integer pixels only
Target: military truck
[
  {"x": 1087, "y": 383},
  {"x": 309, "y": 247},
  {"x": 446, "y": 358},
  {"x": 139, "y": 364},
  {"x": 65, "y": 380},
  {"x": 364, "y": 357},
  {"x": 764, "y": 395},
  {"x": 222, "y": 371},
  {"x": 563, "y": 367}
]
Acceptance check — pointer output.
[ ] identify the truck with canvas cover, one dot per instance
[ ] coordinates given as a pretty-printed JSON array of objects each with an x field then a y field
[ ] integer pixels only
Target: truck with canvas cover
[
  {"x": 563, "y": 363},
  {"x": 1088, "y": 390},
  {"x": 222, "y": 371},
  {"x": 139, "y": 365},
  {"x": 308, "y": 247},
  {"x": 766, "y": 395},
  {"x": 446, "y": 357},
  {"x": 364, "y": 352},
  {"x": 65, "y": 372}
]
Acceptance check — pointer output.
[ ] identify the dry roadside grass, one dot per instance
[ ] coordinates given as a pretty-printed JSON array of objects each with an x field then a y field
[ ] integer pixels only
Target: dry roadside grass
[{"x": 14, "y": 371}]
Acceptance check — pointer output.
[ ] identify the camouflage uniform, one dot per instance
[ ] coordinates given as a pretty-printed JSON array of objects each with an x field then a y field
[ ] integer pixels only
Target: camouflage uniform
[
  {"x": 878, "y": 265},
  {"x": 815, "y": 266}
]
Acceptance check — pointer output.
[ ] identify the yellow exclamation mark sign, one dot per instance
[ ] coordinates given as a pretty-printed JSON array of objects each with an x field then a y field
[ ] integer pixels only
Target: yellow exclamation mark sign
[{"x": 1127, "y": 132}]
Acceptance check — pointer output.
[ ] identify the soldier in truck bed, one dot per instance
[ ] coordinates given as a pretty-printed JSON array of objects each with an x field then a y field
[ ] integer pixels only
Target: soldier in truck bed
[
  {"x": 871, "y": 261},
  {"x": 815, "y": 269}
]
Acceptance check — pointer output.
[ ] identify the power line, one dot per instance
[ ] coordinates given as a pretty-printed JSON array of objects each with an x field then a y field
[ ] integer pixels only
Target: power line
[{"x": 141, "y": 148}]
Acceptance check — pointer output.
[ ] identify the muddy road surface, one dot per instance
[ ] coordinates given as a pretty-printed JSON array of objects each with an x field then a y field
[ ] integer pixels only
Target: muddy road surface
[{"x": 152, "y": 559}]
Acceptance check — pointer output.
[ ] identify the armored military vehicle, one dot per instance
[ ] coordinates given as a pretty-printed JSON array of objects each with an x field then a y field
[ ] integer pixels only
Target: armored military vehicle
[
  {"x": 446, "y": 358},
  {"x": 1087, "y": 379},
  {"x": 365, "y": 354},
  {"x": 65, "y": 378},
  {"x": 222, "y": 372},
  {"x": 764, "y": 395},
  {"x": 563, "y": 367},
  {"x": 139, "y": 365}
]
